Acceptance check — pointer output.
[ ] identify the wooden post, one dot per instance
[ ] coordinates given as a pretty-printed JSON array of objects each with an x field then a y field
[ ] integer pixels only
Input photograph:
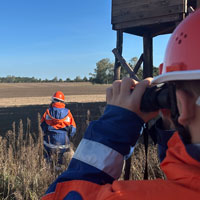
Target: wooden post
[
  {"x": 198, "y": 3},
  {"x": 117, "y": 67},
  {"x": 147, "y": 71},
  {"x": 127, "y": 169},
  {"x": 138, "y": 64},
  {"x": 147, "y": 56},
  {"x": 123, "y": 64}
]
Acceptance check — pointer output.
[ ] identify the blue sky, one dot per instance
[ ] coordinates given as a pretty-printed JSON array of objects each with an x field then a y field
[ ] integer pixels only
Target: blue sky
[{"x": 48, "y": 38}]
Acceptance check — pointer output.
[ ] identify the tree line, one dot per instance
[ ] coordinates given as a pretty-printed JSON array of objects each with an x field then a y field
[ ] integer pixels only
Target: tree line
[
  {"x": 15, "y": 79},
  {"x": 103, "y": 74}
]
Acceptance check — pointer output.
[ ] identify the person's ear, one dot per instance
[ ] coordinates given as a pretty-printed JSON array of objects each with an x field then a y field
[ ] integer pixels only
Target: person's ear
[{"x": 186, "y": 107}]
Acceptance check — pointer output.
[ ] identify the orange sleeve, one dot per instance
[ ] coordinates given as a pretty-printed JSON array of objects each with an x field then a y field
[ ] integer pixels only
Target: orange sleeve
[{"x": 72, "y": 122}]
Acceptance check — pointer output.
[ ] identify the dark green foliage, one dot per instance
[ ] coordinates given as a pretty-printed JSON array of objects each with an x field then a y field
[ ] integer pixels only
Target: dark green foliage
[
  {"x": 103, "y": 73},
  {"x": 14, "y": 79}
]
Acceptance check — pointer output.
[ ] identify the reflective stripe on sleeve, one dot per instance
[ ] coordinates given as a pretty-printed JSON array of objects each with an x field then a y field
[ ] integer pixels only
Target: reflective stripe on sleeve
[
  {"x": 100, "y": 156},
  {"x": 67, "y": 119},
  {"x": 53, "y": 146}
]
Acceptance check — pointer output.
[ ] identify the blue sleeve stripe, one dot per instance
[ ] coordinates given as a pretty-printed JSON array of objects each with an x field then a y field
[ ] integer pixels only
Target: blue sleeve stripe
[{"x": 111, "y": 162}]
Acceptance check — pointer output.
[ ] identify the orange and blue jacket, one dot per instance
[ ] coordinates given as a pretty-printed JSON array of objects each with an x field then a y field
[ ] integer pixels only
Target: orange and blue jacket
[
  {"x": 97, "y": 164},
  {"x": 58, "y": 126}
]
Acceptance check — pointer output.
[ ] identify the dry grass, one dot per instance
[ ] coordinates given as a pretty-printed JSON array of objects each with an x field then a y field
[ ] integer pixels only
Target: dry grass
[
  {"x": 25, "y": 175},
  {"x": 138, "y": 161}
]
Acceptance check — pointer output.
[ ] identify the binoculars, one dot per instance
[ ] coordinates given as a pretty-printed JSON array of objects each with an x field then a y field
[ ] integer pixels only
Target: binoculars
[{"x": 155, "y": 98}]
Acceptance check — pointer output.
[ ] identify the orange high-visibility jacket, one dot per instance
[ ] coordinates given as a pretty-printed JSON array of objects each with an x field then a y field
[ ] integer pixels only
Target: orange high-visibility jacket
[
  {"x": 66, "y": 118},
  {"x": 58, "y": 126}
]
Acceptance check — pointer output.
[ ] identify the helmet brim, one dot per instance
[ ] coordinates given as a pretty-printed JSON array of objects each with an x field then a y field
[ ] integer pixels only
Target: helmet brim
[{"x": 177, "y": 76}]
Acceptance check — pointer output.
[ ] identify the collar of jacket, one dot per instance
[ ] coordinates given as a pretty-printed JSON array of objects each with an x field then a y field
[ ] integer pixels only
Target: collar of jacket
[
  {"x": 57, "y": 123},
  {"x": 178, "y": 165},
  {"x": 58, "y": 105}
]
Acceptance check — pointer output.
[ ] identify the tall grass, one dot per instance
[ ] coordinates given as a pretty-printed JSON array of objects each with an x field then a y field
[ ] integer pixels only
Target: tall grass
[{"x": 24, "y": 173}]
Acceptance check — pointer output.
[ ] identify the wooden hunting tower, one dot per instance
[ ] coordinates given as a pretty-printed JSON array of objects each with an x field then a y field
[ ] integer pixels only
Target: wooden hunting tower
[{"x": 147, "y": 18}]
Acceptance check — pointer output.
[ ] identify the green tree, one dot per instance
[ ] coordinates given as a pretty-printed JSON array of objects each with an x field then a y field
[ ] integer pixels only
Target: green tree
[
  {"x": 155, "y": 71},
  {"x": 46, "y": 80},
  {"x": 132, "y": 63},
  {"x": 103, "y": 73},
  {"x": 85, "y": 79},
  {"x": 68, "y": 80},
  {"x": 55, "y": 79},
  {"x": 78, "y": 79}
]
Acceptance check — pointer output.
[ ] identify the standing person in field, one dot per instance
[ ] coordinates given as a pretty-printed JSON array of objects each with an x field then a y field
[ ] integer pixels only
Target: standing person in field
[
  {"x": 98, "y": 160},
  {"x": 58, "y": 126}
]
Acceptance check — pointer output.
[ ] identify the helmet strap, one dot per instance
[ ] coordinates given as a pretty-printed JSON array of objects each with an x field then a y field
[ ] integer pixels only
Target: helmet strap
[{"x": 183, "y": 132}]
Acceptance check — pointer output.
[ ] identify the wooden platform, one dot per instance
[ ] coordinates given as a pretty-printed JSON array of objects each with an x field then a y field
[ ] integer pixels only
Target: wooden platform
[{"x": 157, "y": 17}]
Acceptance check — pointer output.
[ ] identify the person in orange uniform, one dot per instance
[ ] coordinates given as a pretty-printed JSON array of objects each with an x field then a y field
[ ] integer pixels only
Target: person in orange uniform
[
  {"x": 58, "y": 126},
  {"x": 97, "y": 163}
]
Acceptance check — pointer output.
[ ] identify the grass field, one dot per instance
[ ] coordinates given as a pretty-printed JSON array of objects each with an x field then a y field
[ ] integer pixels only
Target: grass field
[{"x": 17, "y": 94}]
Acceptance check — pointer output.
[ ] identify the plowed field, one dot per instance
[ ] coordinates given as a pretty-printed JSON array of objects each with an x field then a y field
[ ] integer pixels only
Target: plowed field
[{"x": 18, "y": 94}]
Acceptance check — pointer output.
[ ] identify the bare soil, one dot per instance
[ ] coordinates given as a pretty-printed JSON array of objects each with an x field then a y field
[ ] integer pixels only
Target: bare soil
[{"x": 18, "y": 94}]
